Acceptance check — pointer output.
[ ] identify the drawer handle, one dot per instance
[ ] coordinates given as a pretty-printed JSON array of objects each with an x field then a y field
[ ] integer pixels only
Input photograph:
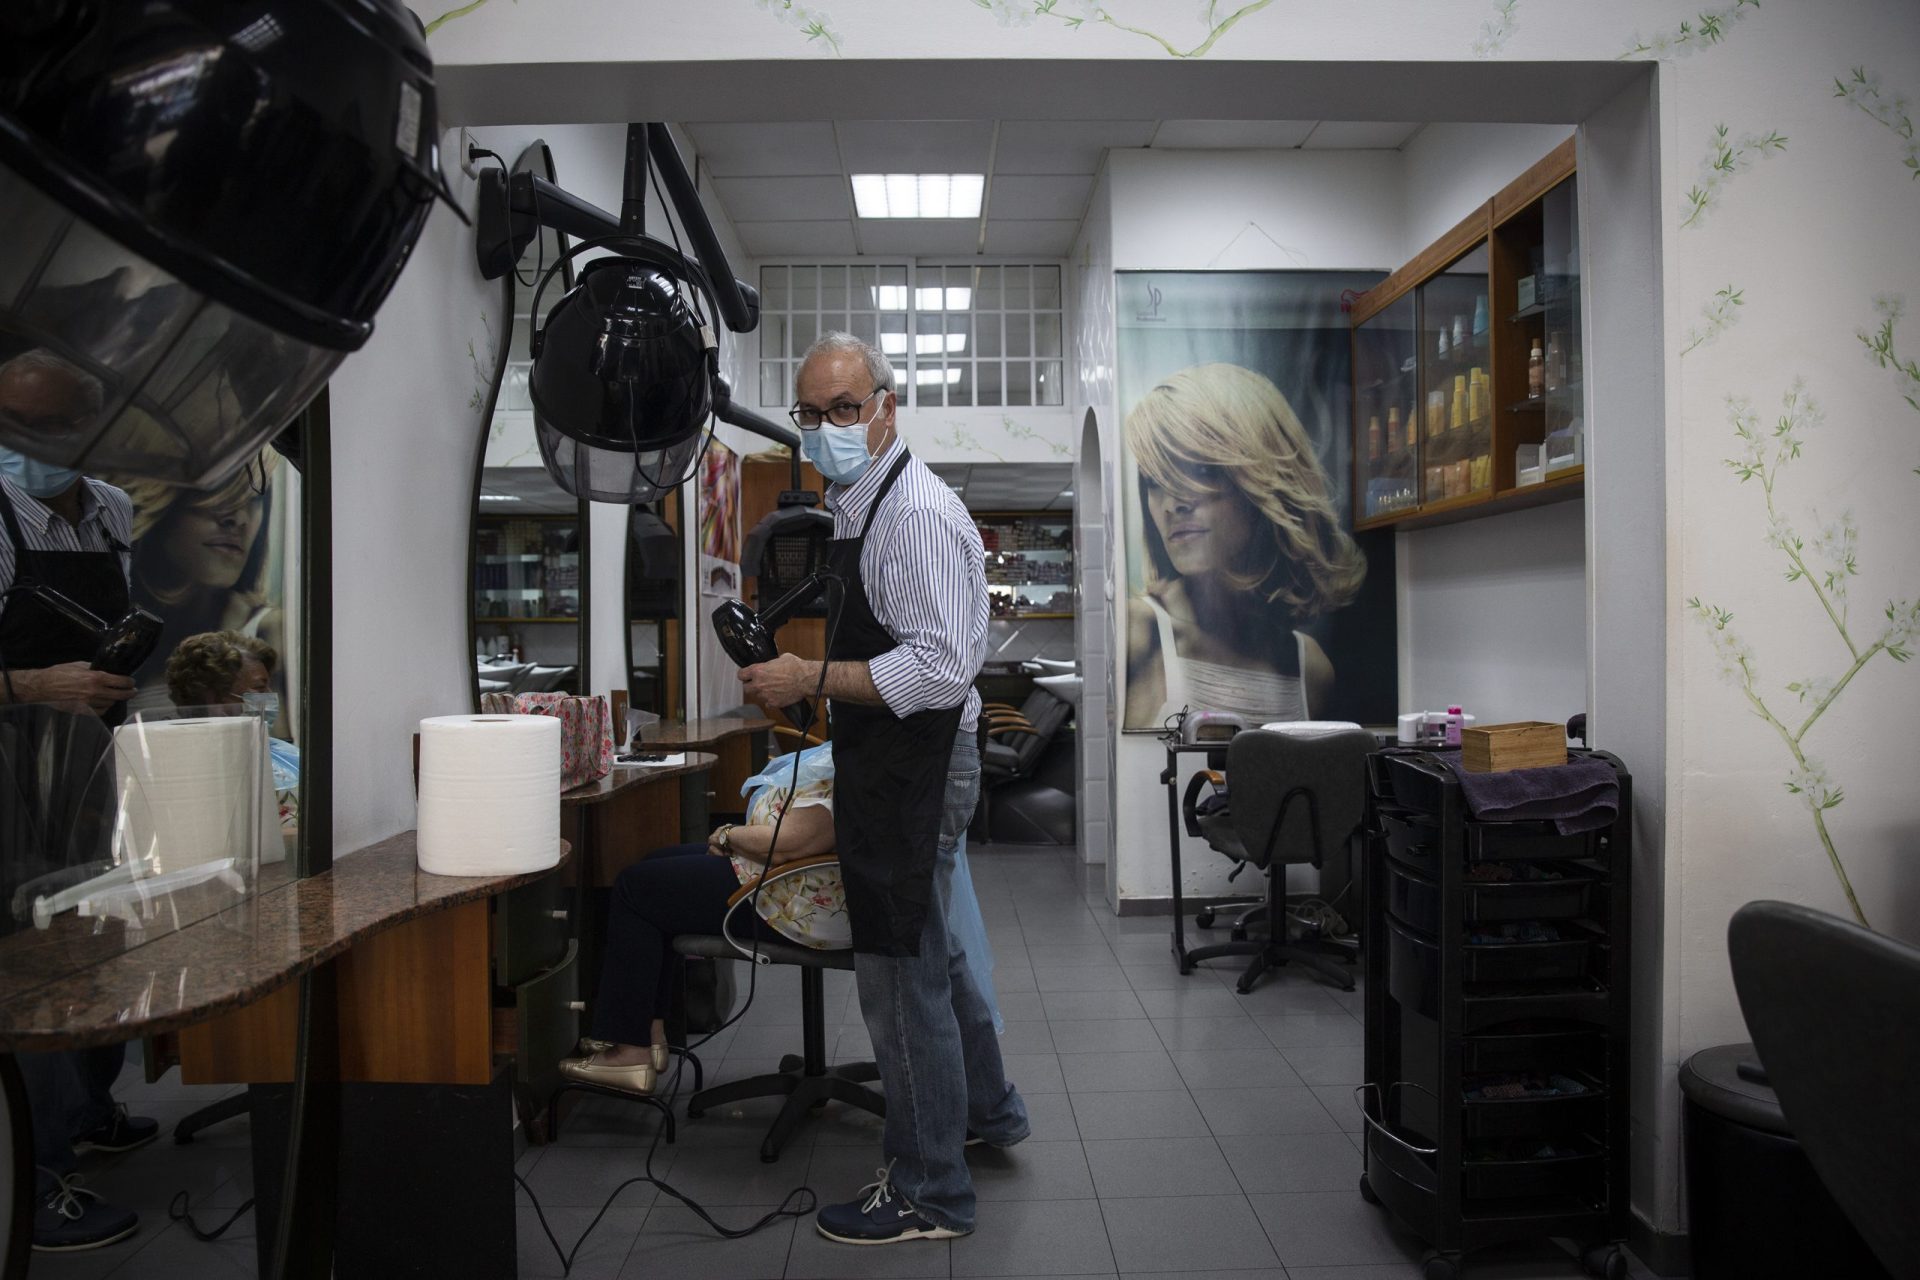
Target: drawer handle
[
  {"x": 578, "y": 1006},
  {"x": 559, "y": 914}
]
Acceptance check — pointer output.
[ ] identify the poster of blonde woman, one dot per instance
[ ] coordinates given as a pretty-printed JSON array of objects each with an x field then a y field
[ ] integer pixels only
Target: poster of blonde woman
[
  {"x": 1247, "y": 591},
  {"x": 720, "y": 521}
]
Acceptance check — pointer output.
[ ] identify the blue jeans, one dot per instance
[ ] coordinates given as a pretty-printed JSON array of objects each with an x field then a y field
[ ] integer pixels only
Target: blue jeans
[
  {"x": 69, "y": 1092},
  {"x": 934, "y": 1042}
]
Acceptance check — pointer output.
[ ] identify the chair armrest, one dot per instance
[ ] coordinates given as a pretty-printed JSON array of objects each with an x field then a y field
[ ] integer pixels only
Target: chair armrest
[
  {"x": 991, "y": 707},
  {"x": 998, "y": 730},
  {"x": 788, "y": 731},
  {"x": 783, "y": 869}
]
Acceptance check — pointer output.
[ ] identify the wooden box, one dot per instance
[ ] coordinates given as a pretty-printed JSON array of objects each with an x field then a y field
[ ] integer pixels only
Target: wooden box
[{"x": 1526, "y": 744}]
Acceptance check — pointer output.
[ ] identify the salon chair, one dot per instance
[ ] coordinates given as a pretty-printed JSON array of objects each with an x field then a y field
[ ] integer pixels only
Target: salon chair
[
  {"x": 805, "y": 1080},
  {"x": 1026, "y": 796},
  {"x": 1834, "y": 1010},
  {"x": 1295, "y": 796}
]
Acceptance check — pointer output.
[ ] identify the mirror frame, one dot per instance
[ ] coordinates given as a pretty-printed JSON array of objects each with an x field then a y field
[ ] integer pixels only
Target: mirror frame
[
  {"x": 313, "y": 853},
  {"x": 674, "y": 673},
  {"x": 535, "y": 152}
]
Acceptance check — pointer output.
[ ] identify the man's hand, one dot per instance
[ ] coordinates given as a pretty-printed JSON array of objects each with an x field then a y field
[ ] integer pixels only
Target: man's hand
[
  {"x": 73, "y": 682},
  {"x": 782, "y": 682}
]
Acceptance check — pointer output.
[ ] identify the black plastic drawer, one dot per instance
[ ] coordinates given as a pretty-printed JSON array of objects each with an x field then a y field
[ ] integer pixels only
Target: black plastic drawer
[
  {"x": 532, "y": 926},
  {"x": 1413, "y": 970},
  {"x": 1551, "y": 961},
  {"x": 1563, "y": 1115},
  {"x": 1416, "y": 780},
  {"x": 1515, "y": 841},
  {"x": 1492, "y": 1172},
  {"x": 1533, "y": 1047},
  {"x": 1411, "y": 839},
  {"x": 1415, "y": 899}
]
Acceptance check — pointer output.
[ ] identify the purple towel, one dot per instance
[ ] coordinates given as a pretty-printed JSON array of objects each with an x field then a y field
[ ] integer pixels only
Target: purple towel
[{"x": 1581, "y": 795}]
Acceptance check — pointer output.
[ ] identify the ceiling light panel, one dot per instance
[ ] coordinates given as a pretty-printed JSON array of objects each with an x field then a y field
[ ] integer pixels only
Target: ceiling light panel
[{"x": 918, "y": 195}]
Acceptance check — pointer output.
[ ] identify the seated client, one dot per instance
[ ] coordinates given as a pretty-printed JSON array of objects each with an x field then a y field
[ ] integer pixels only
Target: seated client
[{"x": 684, "y": 889}]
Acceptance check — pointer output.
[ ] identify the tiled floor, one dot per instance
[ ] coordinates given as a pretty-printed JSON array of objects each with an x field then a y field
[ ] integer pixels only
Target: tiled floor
[{"x": 1178, "y": 1128}]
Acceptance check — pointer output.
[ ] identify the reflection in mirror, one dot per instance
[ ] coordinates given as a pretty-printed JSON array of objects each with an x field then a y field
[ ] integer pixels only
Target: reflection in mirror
[
  {"x": 655, "y": 557},
  {"x": 529, "y": 609}
]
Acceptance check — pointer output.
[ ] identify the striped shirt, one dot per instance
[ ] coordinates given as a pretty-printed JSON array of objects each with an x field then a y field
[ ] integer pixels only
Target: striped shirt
[
  {"x": 106, "y": 518},
  {"x": 926, "y": 578}
]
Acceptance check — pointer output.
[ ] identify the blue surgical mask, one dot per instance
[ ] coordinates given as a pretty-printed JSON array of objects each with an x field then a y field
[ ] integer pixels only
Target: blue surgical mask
[
  {"x": 40, "y": 479},
  {"x": 263, "y": 704},
  {"x": 840, "y": 452}
]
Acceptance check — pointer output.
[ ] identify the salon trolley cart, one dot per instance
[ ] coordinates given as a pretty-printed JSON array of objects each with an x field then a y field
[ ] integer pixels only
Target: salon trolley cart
[{"x": 1495, "y": 1107}]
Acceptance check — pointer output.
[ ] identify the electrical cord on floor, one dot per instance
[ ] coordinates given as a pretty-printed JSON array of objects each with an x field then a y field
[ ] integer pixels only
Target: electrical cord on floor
[
  {"x": 799, "y": 1202},
  {"x": 179, "y": 1210}
]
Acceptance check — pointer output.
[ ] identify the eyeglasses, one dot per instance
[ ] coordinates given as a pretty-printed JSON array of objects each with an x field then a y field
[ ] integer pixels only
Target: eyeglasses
[{"x": 841, "y": 413}]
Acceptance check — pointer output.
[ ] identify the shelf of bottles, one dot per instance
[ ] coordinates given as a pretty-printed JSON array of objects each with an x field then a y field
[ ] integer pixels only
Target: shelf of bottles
[
  {"x": 527, "y": 570},
  {"x": 1456, "y": 384},
  {"x": 1029, "y": 563},
  {"x": 1386, "y": 368},
  {"x": 1540, "y": 296}
]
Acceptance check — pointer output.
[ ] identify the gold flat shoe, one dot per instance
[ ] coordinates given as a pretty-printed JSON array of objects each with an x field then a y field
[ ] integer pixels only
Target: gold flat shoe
[
  {"x": 590, "y": 1070},
  {"x": 589, "y": 1045},
  {"x": 660, "y": 1057}
]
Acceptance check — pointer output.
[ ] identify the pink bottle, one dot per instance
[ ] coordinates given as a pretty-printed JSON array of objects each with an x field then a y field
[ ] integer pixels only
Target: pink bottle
[{"x": 1453, "y": 726}]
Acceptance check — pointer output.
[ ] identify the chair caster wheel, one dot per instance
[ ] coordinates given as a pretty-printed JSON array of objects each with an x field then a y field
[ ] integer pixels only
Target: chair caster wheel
[
  {"x": 791, "y": 1062},
  {"x": 1239, "y": 933},
  {"x": 1203, "y": 918},
  {"x": 694, "y": 1113},
  {"x": 1367, "y": 1192},
  {"x": 1607, "y": 1261},
  {"x": 1441, "y": 1266}
]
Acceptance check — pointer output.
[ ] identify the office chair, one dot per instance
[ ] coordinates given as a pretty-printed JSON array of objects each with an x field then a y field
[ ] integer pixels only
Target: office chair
[
  {"x": 805, "y": 1079},
  {"x": 1834, "y": 1010},
  {"x": 1293, "y": 797}
]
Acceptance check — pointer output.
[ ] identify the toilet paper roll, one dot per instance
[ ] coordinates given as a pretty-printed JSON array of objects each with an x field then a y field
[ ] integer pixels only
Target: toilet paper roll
[
  {"x": 193, "y": 791},
  {"x": 489, "y": 795}
]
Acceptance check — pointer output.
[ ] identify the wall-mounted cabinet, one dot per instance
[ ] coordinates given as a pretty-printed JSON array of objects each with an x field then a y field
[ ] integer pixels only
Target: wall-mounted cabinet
[
  {"x": 1029, "y": 562},
  {"x": 1466, "y": 363}
]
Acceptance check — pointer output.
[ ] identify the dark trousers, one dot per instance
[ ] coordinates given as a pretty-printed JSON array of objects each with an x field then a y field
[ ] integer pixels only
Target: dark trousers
[
  {"x": 676, "y": 890},
  {"x": 68, "y": 1093}
]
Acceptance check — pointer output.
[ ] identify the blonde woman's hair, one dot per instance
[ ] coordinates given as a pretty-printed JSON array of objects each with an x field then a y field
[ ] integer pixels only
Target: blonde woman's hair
[
  {"x": 154, "y": 501},
  {"x": 1226, "y": 421}
]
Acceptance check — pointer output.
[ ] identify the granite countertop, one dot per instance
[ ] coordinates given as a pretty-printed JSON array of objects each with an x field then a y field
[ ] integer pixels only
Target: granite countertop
[
  {"x": 229, "y": 958},
  {"x": 701, "y": 733},
  {"x": 627, "y": 776}
]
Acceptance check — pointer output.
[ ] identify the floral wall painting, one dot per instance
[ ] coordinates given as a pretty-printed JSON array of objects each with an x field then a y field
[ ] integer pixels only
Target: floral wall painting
[
  {"x": 1826, "y": 560},
  {"x": 1497, "y": 30},
  {"x": 1705, "y": 29},
  {"x": 720, "y": 521},
  {"x": 1880, "y": 349},
  {"x": 1725, "y": 158},
  {"x": 1218, "y": 18},
  {"x": 815, "y": 25},
  {"x": 1863, "y": 90},
  {"x": 1720, "y": 314}
]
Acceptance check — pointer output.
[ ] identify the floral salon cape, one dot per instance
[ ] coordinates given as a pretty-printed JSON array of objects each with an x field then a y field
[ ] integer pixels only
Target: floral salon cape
[{"x": 807, "y": 907}]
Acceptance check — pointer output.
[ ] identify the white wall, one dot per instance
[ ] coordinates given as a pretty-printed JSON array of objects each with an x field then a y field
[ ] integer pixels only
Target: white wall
[
  {"x": 1091, "y": 329},
  {"x": 1449, "y": 170}
]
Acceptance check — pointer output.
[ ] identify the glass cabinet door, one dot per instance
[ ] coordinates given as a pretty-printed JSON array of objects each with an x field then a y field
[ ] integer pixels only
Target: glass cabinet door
[
  {"x": 1386, "y": 377},
  {"x": 1456, "y": 402},
  {"x": 1563, "y": 444}
]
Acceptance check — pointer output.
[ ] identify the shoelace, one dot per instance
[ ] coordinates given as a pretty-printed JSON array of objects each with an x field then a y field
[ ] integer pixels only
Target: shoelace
[
  {"x": 65, "y": 1199},
  {"x": 881, "y": 1192}
]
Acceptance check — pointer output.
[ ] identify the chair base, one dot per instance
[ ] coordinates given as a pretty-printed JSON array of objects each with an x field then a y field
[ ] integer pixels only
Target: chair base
[
  {"x": 658, "y": 1104},
  {"x": 239, "y": 1104},
  {"x": 805, "y": 1091},
  {"x": 1269, "y": 954}
]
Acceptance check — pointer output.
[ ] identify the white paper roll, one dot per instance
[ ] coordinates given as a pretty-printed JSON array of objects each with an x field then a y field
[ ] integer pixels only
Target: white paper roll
[
  {"x": 489, "y": 794},
  {"x": 193, "y": 791}
]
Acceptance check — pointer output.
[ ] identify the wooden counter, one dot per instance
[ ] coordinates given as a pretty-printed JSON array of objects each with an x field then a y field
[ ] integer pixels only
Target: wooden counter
[{"x": 739, "y": 743}]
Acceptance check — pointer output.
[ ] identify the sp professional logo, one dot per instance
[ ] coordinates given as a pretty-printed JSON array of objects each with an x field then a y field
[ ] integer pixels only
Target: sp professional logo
[{"x": 1152, "y": 314}]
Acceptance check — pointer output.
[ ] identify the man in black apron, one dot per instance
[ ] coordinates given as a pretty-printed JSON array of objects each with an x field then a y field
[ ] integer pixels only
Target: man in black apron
[
  {"x": 66, "y": 533},
  {"x": 907, "y": 634}
]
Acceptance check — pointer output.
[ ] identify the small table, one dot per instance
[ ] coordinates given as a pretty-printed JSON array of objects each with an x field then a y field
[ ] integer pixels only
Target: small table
[
  {"x": 740, "y": 744},
  {"x": 1170, "y": 776}
]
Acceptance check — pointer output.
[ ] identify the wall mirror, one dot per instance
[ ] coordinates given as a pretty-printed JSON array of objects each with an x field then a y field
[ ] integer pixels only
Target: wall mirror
[
  {"x": 656, "y": 558},
  {"x": 528, "y": 620}
]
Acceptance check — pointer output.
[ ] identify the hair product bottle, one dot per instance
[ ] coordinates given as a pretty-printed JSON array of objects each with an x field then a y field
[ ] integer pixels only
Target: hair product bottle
[{"x": 1535, "y": 371}]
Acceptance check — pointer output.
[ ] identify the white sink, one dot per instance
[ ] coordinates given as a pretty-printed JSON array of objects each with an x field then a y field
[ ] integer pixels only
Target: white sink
[{"x": 1065, "y": 687}]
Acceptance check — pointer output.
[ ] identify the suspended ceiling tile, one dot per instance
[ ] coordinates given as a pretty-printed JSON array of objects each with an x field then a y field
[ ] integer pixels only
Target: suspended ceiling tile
[
  {"x": 1064, "y": 146},
  {"x": 784, "y": 199},
  {"x": 758, "y": 150},
  {"x": 1031, "y": 196},
  {"x": 916, "y": 146},
  {"x": 1225, "y": 134},
  {"x": 922, "y": 236},
  {"x": 1048, "y": 238},
  {"x": 787, "y": 239},
  {"x": 1358, "y": 135}
]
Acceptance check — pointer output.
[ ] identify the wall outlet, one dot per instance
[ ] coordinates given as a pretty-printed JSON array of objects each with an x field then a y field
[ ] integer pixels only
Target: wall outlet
[{"x": 467, "y": 165}]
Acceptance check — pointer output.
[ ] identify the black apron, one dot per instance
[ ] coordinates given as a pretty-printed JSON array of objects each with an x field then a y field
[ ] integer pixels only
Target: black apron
[
  {"x": 890, "y": 774},
  {"x": 56, "y": 777}
]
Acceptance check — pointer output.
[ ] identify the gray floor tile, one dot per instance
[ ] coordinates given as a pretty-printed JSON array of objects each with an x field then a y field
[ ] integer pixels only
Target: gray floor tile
[
  {"x": 1161, "y": 1113},
  {"x": 1026, "y": 1037},
  {"x": 1082, "y": 978},
  {"x": 734, "y": 1175},
  {"x": 1236, "y": 1032},
  {"x": 1238, "y": 1111},
  {"x": 601, "y": 1258},
  {"x": 96, "y": 1263},
  {"x": 676, "y": 1243},
  {"x": 1159, "y": 1234},
  {"x": 1262, "y": 1273},
  {"x": 1311, "y": 1030},
  {"x": 600, "y": 1121},
  {"x": 1076, "y": 955},
  {"x": 1378, "y": 1271},
  {"x": 841, "y": 1126},
  {"x": 1119, "y": 1072},
  {"x": 1012, "y": 979},
  {"x": 1290, "y": 994},
  {"x": 1269, "y": 1163},
  {"x": 814, "y": 1257},
  {"x": 1332, "y": 1228},
  {"x": 1033, "y": 1170},
  {"x": 1035, "y": 1238},
  {"x": 1156, "y": 974},
  {"x": 583, "y": 1177},
  {"x": 1033, "y": 1073},
  {"x": 1326, "y": 1064},
  {"x": 1051, "y": 1115},
  {"x": 1072, "y": 1006},
  {"x": 1339, "y": 1103},
  {"x": 1234, "y": 1068},
  {"x": 763, "y": 1044},
  {"x": 1105, "y": 1035},
  {"x": 1022, "y": 1006},
  {"x": 1201, "y": 998},
  {"x": 1127, "y": 1168},
  {"x": 148, "y": 1179},
  {"x": 170, "y": 1254}
]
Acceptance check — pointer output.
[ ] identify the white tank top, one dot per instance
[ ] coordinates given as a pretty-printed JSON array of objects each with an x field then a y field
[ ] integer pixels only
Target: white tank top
[{"x": 1258, "y": 696}]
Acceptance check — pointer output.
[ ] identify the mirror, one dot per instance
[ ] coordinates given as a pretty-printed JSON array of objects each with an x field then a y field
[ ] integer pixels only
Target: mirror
[
  {"x": 528, "y": 621},
  {"x": 656, "y": 556}
]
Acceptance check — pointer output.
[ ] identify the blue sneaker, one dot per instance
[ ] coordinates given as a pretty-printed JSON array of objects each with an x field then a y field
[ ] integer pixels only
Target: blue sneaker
[
  {"x": 121, "y": 1132},
  {"x": 880, "y": 1216},
  {"x": 68, "y": 1218}
]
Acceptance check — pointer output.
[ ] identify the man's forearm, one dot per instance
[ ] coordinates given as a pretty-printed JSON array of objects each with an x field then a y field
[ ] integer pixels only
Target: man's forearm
[
  {"x": 850, "y": 682},
  {"x": 24, "y": 686}
]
